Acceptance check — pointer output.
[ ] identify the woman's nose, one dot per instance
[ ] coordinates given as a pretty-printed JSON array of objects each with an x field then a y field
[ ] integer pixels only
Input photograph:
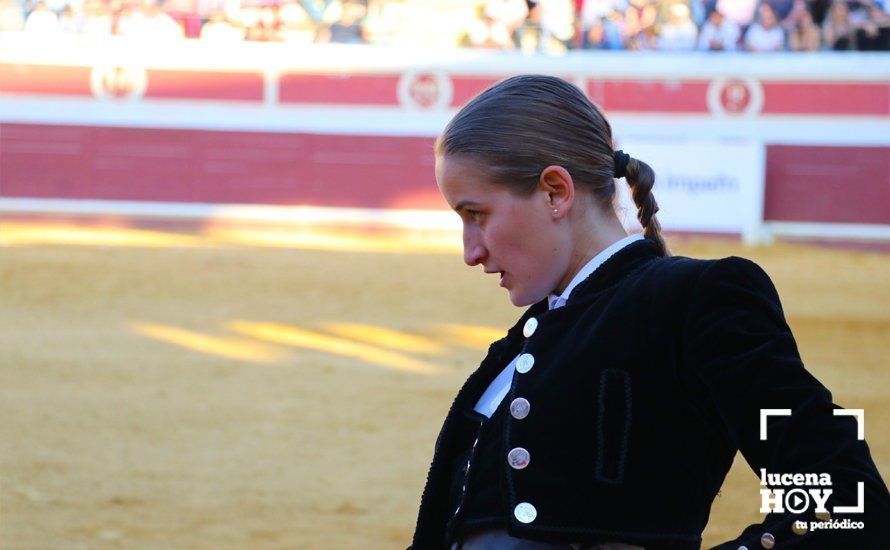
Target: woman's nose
[{"x": 473, "y": 254}]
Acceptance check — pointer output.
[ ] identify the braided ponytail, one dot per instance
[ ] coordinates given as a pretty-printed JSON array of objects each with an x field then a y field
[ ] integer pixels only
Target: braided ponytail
[{"x": 641, "y": 178}]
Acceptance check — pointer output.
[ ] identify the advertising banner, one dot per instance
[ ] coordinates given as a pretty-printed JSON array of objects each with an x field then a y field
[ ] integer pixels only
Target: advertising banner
[{"x": 701, "y": 186}]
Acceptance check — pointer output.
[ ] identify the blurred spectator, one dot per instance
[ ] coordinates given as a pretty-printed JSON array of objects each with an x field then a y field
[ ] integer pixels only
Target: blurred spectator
[
  {"x": 837, "y": 33},
  {"x": 819, "y": 9},
  {"x": 765, "y": 35},
  {"x": 383, "y": 21},
  {"x": 741, "y": 12},
  {"x": 56, "y": 6},
  {"x": 781, "y": 8},
  {"x": 664, "y": 8},
  {"x": 219, "y": 29},
  {"x": 42, "y": 20},
  {"x": 679, "y": 32},
  {"x": 71, "y": 19},
  {"x": 639, "y": 22},
  {"x": 593, "y": 11},
  {"x": 509, "y": 13},
  {"x": 699, "y": 11},
  {"x": 528, "y": 35},
  {"x": 503, "y": 18},
  {"x": 297, "y": 27},
  {"x": 315, "y": 8},
  {"x": 858, "y": 12},
  {"x": 266, "y": 27},
  {"x": 98, "y": 20},
  {"x": 604, "y": 33},
  {"x": 596, "y": 13},
  {"x": 148, "y": 22},
  {"x": 132, "y": 21},
  {"x": 789, "y": 22},
  {"x": 551, "y": 26},
  {"x": 486, "y": 32},
  {"x": 804, "y": 35},
  {"x": 648, "y": 40},
  {"x": 874, "y": 33},
  {"x": 185, "y": 14},
  {"x": 348, "y": 28},
  {"x": 557, "y": 20},
  {"x": 159, "y": 24},
  {"x": 718, "y": 33}
]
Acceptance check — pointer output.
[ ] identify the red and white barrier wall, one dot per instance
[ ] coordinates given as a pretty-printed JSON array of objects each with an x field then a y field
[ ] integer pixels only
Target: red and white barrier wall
[{"x": 749, "y": 144}]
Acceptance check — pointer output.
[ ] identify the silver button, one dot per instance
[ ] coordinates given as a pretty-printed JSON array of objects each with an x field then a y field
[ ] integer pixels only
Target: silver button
[
  {"x": 524, "y": 363},
  {"x": 520, "y": 408},
  {"x": 767, "y": 540},
  {"x": 743, "y": 548},
  {"x": 518, "y": 458},
  {"x": 525, "y": 512},
  {"x": 530, "y": 327}
]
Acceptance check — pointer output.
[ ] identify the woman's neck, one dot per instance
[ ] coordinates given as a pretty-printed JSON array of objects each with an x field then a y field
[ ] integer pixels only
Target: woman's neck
[{"x": 593, "y": 235}]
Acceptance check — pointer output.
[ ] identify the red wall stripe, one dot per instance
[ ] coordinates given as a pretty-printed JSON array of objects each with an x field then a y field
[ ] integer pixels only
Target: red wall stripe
[
  {"x": 827, "y": 184},
  {"x": 826, "y": 98},
  {"x": 339, "y": 88},
  {"x": 467, "y": 87},
  {"x": 209, "y": 85},
  {"x": 44, "y": 79},
  {"x": 76, "y": 162},
  {"x": 656, "y": 96}
]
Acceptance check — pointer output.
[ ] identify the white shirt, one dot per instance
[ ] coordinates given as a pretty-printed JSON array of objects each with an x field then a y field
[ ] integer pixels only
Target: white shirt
[
  {"x": 759, "y": 39},
  {"x": 727, "y": 34},
  {"x": 500, "y": 386},
  {"x": 678, "y": 37}
]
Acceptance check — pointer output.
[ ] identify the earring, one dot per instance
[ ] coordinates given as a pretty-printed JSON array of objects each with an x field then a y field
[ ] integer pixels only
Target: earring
[{"x": 555, "y": 211}]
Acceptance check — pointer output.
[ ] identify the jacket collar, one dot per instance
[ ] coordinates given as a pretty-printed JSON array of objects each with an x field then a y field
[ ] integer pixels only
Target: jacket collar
[{"x": 622, "y": 263}]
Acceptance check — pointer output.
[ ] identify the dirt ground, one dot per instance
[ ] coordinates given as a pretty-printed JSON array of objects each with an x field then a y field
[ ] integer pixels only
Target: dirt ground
[{"x": 173, "y": 392}]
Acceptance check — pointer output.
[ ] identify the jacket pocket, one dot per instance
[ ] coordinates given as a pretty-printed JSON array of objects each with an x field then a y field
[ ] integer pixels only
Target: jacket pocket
[{"x": 612, "y": 426}]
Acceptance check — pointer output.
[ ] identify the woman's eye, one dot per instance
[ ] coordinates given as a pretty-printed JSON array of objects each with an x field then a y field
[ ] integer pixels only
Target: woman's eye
[{"x": 474, "y": 214}]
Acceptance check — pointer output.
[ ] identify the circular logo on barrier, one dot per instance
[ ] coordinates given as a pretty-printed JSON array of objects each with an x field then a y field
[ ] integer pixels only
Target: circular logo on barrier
[
  {"x": 735, "y": 97},
  {"x": 425, "y": 90},
  {"x": 119, "y": 82}
]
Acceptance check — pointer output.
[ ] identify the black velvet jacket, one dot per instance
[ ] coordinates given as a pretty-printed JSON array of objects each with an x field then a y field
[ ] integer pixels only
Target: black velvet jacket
[{"x": 642, "y": 389}]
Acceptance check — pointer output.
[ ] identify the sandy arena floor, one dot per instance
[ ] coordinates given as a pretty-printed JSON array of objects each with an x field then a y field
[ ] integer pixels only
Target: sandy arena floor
[{"x": 173, "y": 392}]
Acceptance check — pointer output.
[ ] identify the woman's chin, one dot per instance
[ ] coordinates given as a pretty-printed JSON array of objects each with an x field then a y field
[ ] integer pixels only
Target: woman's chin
[{"x": 522, "y": 299}]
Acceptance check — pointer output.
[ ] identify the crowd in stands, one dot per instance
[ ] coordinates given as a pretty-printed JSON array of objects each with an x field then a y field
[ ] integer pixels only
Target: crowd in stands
[{"x": 553, "y": 26}]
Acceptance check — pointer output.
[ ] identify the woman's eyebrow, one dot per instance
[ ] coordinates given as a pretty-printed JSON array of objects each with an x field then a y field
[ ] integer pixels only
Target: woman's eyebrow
[{"x": 463, "y": 204}]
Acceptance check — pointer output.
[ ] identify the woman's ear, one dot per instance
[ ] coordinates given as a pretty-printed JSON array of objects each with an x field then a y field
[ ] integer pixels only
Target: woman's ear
[{"x": 557, "y": 183}]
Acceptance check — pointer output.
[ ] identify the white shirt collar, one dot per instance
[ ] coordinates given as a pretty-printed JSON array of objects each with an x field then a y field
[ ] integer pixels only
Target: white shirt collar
[{"x": 555, "y": 301}]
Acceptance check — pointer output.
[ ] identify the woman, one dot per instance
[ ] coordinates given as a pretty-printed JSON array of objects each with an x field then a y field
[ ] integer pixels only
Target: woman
[
  {"x": 837, "y": 32},
  {"x": 804, "y": 34},
  {"x": 611, "y": 412}
]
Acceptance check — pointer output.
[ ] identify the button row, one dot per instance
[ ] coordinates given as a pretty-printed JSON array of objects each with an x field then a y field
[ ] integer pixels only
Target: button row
[
  {"x": 525, "y": 512},
  {"x": 530, "y": 327},
  {"x": 520, "y": 407},
  {"x": 519, "y": 458},
  {"x": 524, "y": 363}
]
